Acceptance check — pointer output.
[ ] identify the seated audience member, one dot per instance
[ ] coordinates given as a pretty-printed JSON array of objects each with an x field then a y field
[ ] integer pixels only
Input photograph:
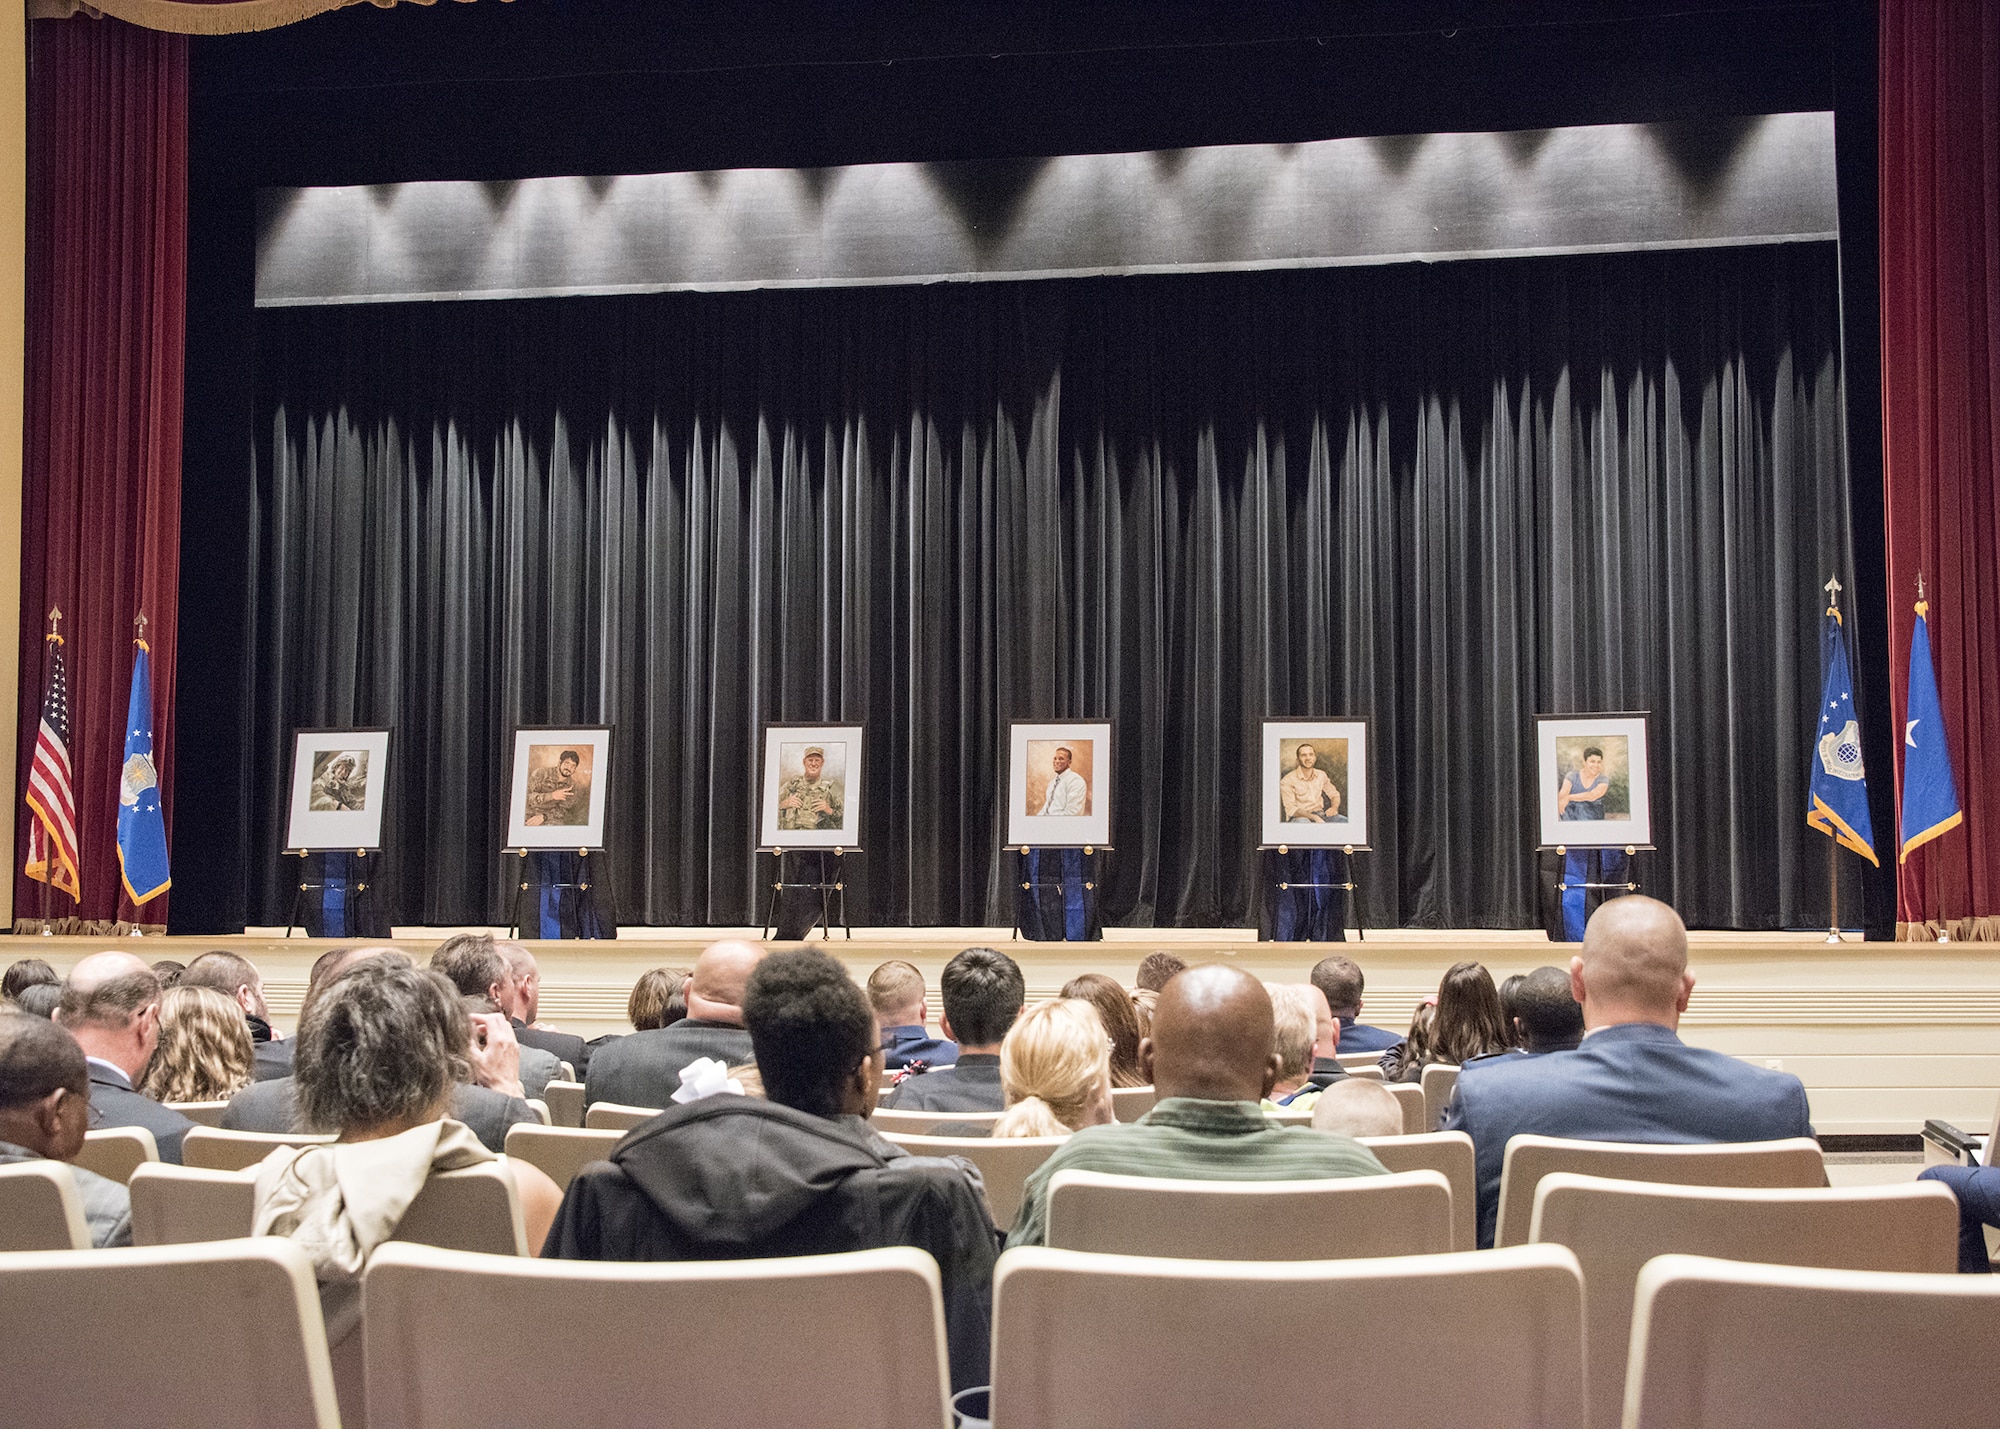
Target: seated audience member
[
  {"x": 1211, "y": 1061},
  {"x": 204, "y": 1053},
  {"x": 238, "y": 980},
  {"x": 488, "y": 1103},
  {"x": 1055, "y": 1068},
  {"x": 44, "y": 1112},
  {"x": 645, "y": 1068},
  {"x": 1467, "y": 1025},
  {"x": 1341, "y": 980},
  {"x": 797, "y": 1172},
  {"x": 1326, "y": 1068},
  {"x": 1293, "y": 1032},
  {"x": 1546, "y": 1016},
  {"x": 168, "y": 972},
  {"x": 40, "y": 999},
  {"x": 659, "y": 999},
  {"x": 1156, "y": 968},
  {"x": 1632, "y": 1079},
  {"x": 381, "y": 1052},
  {"x": 1405, "y": 1062},
  {"x": 1978, "y": 1191},
  {"x": 982, "y": 993},
  {"x": 896, "y": 992},
  {"x": 524, "y": 1010},
  {"x": 475, "y": 965},
  {"x": 1121, "y": 1021},
  {"x": 111, "y": 1005},
  {"x": 25, "y": 973},
  {"x": 1358, "y": 1107},
  {"x": 1510, "y": 988}
]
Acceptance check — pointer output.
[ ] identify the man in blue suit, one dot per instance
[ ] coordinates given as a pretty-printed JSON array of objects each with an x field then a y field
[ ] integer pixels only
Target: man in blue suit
[{"x": 1632, "y": 1079}]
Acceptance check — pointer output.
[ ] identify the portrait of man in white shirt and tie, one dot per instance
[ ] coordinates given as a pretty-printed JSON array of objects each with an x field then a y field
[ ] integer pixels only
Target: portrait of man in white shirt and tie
[{"x": 1069, "y": 795}]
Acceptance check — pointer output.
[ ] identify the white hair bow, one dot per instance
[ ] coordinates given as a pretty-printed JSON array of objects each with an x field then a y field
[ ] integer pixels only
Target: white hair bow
[{"x": 706, "y": 1077}]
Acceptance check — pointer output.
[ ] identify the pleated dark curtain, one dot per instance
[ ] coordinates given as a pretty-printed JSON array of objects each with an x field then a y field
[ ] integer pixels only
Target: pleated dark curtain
[{"x": 1443, "y": 497}]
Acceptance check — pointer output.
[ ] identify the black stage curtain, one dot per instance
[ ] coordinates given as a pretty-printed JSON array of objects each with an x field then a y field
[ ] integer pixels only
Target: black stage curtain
[{"x": 1443, "y": 497}]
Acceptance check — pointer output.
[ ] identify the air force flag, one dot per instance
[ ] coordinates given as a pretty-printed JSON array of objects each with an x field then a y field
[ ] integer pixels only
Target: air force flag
[
  {"x": 1837, "y": 795},
  {"x": 1930, "y": 793},
  {"x": 142, "y": 828}
]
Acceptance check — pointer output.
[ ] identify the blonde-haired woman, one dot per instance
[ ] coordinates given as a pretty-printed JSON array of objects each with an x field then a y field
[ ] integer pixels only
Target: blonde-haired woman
[
  {"x": 1055, "y": 1067},
  {"x": 205, "y": 1052}
]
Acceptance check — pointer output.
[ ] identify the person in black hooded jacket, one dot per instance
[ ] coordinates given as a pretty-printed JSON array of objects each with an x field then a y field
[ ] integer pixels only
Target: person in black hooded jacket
[{"x": 798, "y": 1172}]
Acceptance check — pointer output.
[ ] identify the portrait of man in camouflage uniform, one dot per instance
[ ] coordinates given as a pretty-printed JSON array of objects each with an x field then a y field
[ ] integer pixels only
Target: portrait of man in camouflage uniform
[{"x": 811, "y": 800}]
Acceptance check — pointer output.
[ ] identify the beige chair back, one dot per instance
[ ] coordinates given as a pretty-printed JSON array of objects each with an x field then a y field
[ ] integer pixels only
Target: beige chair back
[
  {"x": 206, "y": 1334},
  {"x": 210, "y": 1148},
  {"x": 1721, "y": 1344},
  {"x": 1440, "y": 1079},
  {"x": 203, "y": 1113},
  {"x": 1480, "y": 1338},
  {"x": 565, "y": 1101},
  {"x": 1348, "y": 1218},
  {"x": 1367, "y": 1070},
  {"x": 1615, "y": 1227},
  {"x": 541, "y": 1110},
  {"x": 1005, "y": 1165},
  {"x": 863, "y": 1338},
  {"x": 183, "y": 1205},
  {"x": 1795, "y": 1163},
  {"x": 1290, "y": 1116},
  {"x": 560, "y": 1151},
  {"x": 1410, "y": 1097},
  {"x": 1451, "y": 1154},
  {"x": 117, "y": 1151},
  {"x": 1131, "y": 1103},
  {"x": 919, "y": 1123},
  {"x": 565, "y": 1071},
  {"x": 40, "y": 1210},
  {"x": 1357, "y": 1061},
  {"x": 473, "y": 1209},
  {"x": 610, "y": 1116}
]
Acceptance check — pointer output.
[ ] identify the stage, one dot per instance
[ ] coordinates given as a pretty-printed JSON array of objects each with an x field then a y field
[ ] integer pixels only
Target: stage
[{"x": 1884, "y": 1035}]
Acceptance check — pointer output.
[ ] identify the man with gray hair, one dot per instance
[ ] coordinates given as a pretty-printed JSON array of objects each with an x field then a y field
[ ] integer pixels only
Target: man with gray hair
[
  {"x": 524, "y": 1009},
  {"x": 1358, "y": 1107},
  {"x": 111, "y": 1005},
  {"x": 44, "y": 1112},
  {"x": 238, "y": 980},
  {"x": 1632, "y": 1079},
  {"x": 475, "y": 965}
]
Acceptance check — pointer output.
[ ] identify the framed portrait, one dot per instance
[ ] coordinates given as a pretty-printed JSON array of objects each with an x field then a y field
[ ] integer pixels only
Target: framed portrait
[
  {"x": 559, "y": 786},
  {"x": 812, "y": 787},
  {"x": 1594, "y": 791},
  {"x": 1059, "y": 785},
  {"x": 340, "y": 783},
  {"x": 1314, "y": 783}
]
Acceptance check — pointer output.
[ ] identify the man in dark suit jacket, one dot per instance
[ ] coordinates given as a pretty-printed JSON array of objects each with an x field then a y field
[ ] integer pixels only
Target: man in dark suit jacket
[
  {"x": 526, "y": 1007},
  {"x": 111, "y": 1005},
  {"x": 238, "y": 980},
  {"x": 645, "y": 1068},
  {"x": 1341, "y": 981},
  {"x": 982, "y": 992},
  {"x": 273, "y": 1106},
  {"x": 1632, "y": 1079}
]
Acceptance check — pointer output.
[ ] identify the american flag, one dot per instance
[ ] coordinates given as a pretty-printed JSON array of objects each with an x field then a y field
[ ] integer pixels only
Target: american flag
[{"x": 49, "y": 792}]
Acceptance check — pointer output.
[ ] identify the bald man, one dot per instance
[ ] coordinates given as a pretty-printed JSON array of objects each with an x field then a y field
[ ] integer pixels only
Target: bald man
[
  {"x": 111, "y": 1005},
  {"x": 1210, "y": 1058},
  {"x": 645, "y": 1068},
  {"x": 1632, "y": 1079}
]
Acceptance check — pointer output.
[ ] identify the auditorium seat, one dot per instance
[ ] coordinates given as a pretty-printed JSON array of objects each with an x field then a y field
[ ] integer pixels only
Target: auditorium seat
[
  {"x": 1449, "y": 1153},
  {"x": 228, "y": 1333},
  {"x": 1131, "y": 1103},
  {"x": 40, "y": 1208},
  {"x": 1004, "y": 1165},
  {"x": 565, "y": 1099},
  {"x": 1439, "y": 1082},
  {"x": 1349, "y": 1217},
  {"x": 210, "y": 1148},
  {"x": 1410, "y": 1097},
  {"x": 1479, "y": 1338},
  {"x": 560, "y": 1151},
  {"x": 1720, "y": 1344},
  {"x": 182, "y": 1205},
  {"x": 1615, "y": 1227},
  {"x": 1291, "y": 1116},
  {"x": 834, "y": 1339},
  {"x": 541, "y": 1110},
  {"x": 1359, "y": 1061},
  {"x": 1795, "y": 1162},
  {"x": 565, "y": 1072},
  {"x": 1368, "y": 1072},
  {"x": 919, "y": 1123},
  {"x": 611, "y": 1116},
  {"x": 205, "y": 1113},
  {"x": 117, "y": 1151},
  {"x": 476, "y": 1208}
]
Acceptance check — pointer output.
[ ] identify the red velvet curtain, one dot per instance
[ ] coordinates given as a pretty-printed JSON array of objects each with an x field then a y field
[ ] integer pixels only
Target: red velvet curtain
[
  {"x": 107, "y": 293},
  {"x": 1940, "y": 191}
]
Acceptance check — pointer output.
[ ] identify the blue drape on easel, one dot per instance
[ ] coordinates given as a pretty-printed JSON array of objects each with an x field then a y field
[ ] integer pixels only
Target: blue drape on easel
[
  {"x": 1299, "y": 912},
  {"x": 1059, "y": 902},
  {"x": 1588, "y": 865},
  {"x": 335, "y": 903},
  {"x": 555, "y": 903}
]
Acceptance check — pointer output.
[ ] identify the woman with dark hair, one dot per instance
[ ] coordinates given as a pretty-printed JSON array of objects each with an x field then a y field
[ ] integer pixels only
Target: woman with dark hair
[
  {"x": 1121, "y": 1021},
  {"x": 24, "y": 973},
  {"x": 1468, "y": 1024}
]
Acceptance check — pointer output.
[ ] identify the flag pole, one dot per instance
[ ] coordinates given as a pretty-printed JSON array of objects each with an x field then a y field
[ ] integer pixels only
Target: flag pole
[
  {"x": 54, "y": 637},
  {"x": 1832, "y": 589}
]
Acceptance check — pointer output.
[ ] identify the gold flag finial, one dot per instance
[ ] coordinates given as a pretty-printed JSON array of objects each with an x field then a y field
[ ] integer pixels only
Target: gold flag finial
[
  {"x": 55, "y": 624},
  {"x": 1832, "y": 589},
  {"x": 139, "y": 624},
  {"x": 1923, "y": 604}
]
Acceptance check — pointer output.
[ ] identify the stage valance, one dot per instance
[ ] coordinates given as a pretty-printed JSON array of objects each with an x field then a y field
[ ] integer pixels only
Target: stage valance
[{"x": 205, "y": 17}]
